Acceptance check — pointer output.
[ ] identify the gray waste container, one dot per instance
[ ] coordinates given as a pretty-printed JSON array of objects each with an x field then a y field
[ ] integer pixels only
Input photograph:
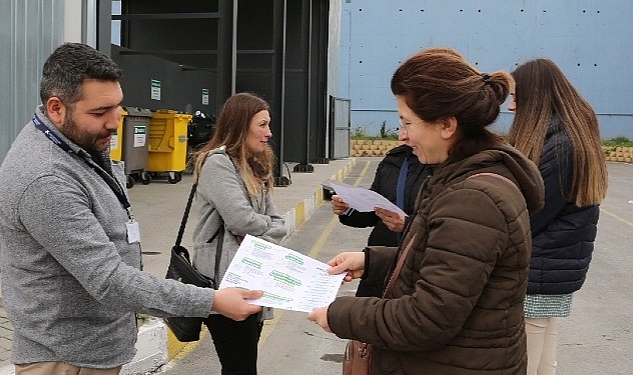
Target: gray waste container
[{"x": 135, "y": 144}]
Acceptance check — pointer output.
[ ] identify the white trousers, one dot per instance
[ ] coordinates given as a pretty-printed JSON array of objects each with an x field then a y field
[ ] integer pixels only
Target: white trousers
[{"x": 542, "y": 336}]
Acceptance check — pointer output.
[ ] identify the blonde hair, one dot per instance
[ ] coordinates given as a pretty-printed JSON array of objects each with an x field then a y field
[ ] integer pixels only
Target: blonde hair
[{"x": 543, "y": 92}]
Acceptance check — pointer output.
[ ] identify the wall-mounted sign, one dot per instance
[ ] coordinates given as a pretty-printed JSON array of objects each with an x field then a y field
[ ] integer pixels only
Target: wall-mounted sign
[
  {"x": 140, "y": 135},
  {"x": 155, "y": 90},
  {"x": 205, "y": 96},
  {"x": 114, "y": 140}
]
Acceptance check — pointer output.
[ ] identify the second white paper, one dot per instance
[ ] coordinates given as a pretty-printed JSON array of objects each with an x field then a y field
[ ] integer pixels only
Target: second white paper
[{"x": 364, "y": 200}]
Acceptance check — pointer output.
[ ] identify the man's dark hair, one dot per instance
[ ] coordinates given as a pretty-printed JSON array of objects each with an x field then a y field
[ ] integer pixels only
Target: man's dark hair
[{"x": 69, "y": 65}]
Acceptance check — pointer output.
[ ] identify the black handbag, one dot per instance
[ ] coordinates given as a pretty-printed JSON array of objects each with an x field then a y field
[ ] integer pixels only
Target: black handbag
[{"x": 187, "y": 329}]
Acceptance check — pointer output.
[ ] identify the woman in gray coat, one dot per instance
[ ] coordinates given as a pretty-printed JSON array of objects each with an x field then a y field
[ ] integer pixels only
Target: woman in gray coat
[{"x": 234, "y": 174}]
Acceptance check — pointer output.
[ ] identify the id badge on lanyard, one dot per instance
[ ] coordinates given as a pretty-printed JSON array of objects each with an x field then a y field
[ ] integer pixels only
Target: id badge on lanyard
[{"x": 133, "y": 231}]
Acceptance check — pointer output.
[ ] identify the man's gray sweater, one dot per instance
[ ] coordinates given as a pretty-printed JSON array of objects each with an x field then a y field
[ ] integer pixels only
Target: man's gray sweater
[{"x": 70, "y": 280}]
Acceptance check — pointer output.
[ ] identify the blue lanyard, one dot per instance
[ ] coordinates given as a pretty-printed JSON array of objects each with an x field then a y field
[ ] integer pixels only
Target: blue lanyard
[
  {"x": 112, "y": 183},
  {"x": 402, "y": 183}
]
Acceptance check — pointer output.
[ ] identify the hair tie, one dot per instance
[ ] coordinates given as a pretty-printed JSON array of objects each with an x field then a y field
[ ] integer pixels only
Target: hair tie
[{"x": 486, "y": 78}]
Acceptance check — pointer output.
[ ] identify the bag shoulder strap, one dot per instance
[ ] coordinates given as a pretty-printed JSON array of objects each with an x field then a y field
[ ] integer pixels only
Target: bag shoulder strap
[
  {"x": 219, "y": 234},
  {"x": 185, "y": 216},
  {"x": 396, "y": 271},
  {"x": 183, "y": 223}
]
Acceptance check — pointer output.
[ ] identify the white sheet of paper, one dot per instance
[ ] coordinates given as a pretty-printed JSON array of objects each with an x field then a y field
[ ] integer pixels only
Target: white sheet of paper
[
  {"x": 363, "y": 200},
  {"x": 290, "y": 280}
]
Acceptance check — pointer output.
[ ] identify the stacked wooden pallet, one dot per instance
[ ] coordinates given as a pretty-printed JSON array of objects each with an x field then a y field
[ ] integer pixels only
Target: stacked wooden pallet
[
  {"x": 624, "y": 154},
  {"x": 369, "y": 147}
]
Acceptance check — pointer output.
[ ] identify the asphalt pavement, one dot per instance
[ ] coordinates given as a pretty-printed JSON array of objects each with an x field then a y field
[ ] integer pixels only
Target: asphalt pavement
[{"x": 596, "y": 339}]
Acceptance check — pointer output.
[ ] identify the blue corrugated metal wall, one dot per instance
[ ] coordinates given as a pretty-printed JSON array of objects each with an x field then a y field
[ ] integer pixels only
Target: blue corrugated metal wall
[
  {"x": 29, "y": 31},
  {"x": 591, "y": 41}
]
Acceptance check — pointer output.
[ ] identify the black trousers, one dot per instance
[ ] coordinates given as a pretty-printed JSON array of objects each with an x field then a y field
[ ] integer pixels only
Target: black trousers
[{"x": 235, "y": 343}]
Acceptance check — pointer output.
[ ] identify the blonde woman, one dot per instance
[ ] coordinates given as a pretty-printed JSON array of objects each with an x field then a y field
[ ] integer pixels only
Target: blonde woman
[
  {"x": 558, "y": 130},
  {"x": 234, "y": 174}
]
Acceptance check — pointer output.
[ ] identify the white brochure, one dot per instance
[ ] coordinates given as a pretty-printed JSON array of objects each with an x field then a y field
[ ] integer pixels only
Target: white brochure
[
  {"x": 290, "y": 280},
  {"x": 363, "y": 200}
]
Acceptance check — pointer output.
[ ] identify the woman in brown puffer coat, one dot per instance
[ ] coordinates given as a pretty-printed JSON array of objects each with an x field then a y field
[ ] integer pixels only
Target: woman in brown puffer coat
[{"x": 457, "y": 305}]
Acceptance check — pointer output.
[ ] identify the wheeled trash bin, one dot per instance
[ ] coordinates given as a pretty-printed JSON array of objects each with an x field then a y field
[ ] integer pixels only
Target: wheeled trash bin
[
  {"x": 168, "y": 144},
  {"x": 131, "y": 145}
]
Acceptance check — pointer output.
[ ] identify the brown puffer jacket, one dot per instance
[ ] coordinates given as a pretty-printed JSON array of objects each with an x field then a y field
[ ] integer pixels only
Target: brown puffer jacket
[{"x": 457, "y": 306}]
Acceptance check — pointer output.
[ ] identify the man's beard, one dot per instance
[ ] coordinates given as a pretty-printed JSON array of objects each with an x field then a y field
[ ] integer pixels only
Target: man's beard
[{"x": 81, "y": 137}]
